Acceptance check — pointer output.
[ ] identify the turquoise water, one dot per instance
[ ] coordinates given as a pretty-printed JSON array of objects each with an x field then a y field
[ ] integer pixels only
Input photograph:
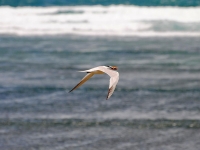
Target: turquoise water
[
  {"x": 155, "y": 105},
  {"x": 184, "y": 3}
]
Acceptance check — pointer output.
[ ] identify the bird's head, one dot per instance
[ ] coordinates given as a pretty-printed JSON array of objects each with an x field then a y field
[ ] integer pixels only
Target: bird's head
[{"x": 112, "y": 67}]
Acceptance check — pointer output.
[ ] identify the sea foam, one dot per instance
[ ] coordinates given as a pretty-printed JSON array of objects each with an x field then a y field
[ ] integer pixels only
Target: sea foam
[{"x": 101, "y": 20}]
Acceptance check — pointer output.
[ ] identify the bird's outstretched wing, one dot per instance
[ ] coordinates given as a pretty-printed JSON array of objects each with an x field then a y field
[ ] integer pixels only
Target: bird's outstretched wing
[
  {"x": 87, "y": 77},
  {"x": 113, "y": 83},
  {"x": 114, "y": 78}
]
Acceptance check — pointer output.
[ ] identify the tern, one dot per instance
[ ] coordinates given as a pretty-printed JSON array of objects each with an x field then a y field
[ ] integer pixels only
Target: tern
[{"x": 110, "y": 70}]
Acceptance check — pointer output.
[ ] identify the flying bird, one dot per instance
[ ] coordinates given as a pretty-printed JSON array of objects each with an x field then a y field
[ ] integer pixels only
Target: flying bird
[{"x": 110, "y": 70}]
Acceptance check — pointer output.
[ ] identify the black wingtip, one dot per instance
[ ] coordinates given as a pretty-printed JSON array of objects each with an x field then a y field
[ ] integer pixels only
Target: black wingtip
[{"x": 70, "y": 91}]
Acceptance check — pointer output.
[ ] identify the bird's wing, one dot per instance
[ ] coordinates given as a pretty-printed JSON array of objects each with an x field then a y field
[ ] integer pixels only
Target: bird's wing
[
  {"x": 113, "y": 83},
  {"x": 87, "y": 77},
  {"x": 114, "y": 78}
]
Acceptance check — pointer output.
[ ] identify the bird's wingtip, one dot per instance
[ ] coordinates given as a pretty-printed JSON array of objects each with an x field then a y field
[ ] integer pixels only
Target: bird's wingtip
[
  {"x": 70, "y": 91},
  {"x": 107, "y": 97}
]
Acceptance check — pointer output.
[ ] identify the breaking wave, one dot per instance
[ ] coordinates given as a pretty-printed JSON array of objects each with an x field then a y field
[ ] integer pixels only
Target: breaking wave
[{"x": 101, "y": 20}]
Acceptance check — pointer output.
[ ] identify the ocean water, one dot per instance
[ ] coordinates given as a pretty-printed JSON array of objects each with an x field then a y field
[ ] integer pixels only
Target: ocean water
[
  {"x": 156, "y": 104},
  {"x": 181, "y": 3}
]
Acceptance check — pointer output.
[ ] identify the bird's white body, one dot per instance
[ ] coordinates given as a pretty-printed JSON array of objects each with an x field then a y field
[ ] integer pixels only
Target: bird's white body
[{"x": 110, "y": 70}]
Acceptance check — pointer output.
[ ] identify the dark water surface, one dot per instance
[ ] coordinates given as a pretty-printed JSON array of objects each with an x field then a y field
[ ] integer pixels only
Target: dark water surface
[
  {"x": 156, "y": 104},
  {"x": 184, "y": 3}
]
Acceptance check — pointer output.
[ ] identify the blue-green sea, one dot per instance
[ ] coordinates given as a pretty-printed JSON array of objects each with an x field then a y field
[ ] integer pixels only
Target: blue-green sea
[{"x": 156, "y": 104}]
